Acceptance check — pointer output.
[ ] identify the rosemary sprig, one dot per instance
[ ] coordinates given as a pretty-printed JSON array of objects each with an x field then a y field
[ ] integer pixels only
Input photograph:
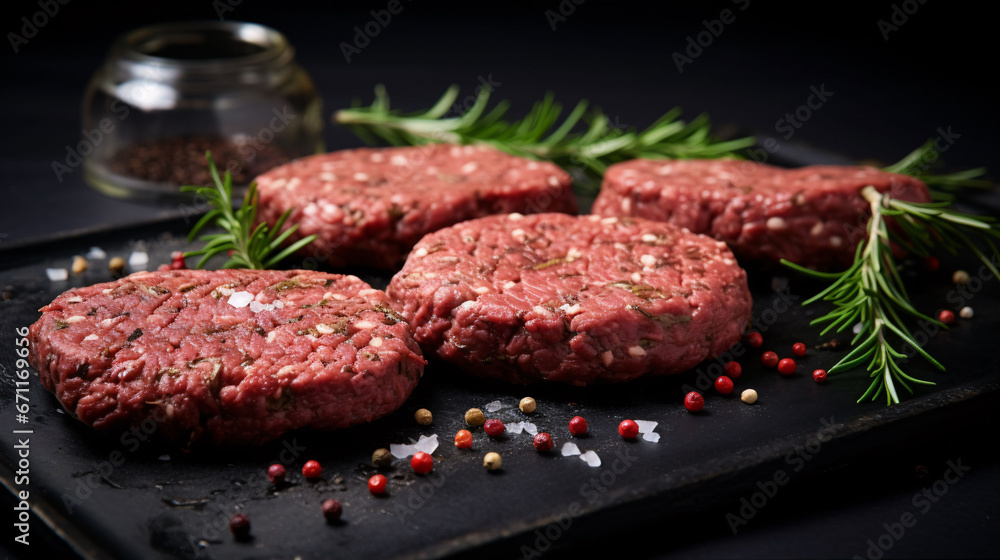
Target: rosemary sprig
[
  {"x": 871, "y": 290},
  {"x": 919, "y": 161},
  {"x": 585, "y": 139},
  {"x": 251, "y": 244}
]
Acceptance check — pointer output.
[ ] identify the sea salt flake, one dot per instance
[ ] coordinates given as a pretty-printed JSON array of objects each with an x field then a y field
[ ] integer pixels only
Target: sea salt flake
[
  {"x": 240, "y": 299},
  {"x": 652, "y": 437},
  {"x": 493, "y": 406},
  {"x": 530, "y": 428},
  {"x": 514, "y": 428},
  {"x": 569, "y": 449},
  {"x": 96, "y": 253},
  {"x": 257, "y": 306},
  {"x": 138, "y": 259},
  {"x": 57, "y": 274},
  {"x": 646, "y": 426},
  {"x": 404, "y": 450},
  {"x": 591, "y": 459}
]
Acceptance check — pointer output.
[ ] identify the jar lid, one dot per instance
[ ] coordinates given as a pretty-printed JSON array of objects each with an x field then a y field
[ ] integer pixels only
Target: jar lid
[{"x": 199, "y": 50}]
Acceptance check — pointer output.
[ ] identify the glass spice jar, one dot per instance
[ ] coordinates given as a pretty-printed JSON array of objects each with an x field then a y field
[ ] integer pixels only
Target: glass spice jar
[{"x": 166, "y": 94}]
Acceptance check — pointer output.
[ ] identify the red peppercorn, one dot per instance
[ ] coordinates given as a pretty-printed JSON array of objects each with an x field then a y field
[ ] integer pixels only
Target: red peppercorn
[
  {"x": 543, "y": 441},
  {"x": 769, "y": 359},
  {"x": 754, "y": 339},
  {"x": 799, "y": 349},
  {"x": 312, "y": 469},
  {"x": 819, "y": 375},
  {"x": 239, "y": 526},
  {"x": 422, "y": 463},
  {"x": 932, "y": 263},
  {"x": 733, "y": 369},
  {"x": 332, "y": 510},
  {"x": 946, "y": 316},
  {"x": 377, "y": 484},
  {"x": 628, "y": 429},
  {"x": 694, "y": 402},
  {"x": 463, "y": 439},
  {"x": 577, "y": 426},
  {"x": 786, "y": 366},
  {"x": 493, "y": 427},
  {"x": 276, "y": 473},
  {"x": 177, "y": 262},
  {"x": 724, "y": 385}
]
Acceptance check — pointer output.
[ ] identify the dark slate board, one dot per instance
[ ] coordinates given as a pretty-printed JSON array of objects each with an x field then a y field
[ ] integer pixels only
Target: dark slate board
[{"x": 171, "y": 503}]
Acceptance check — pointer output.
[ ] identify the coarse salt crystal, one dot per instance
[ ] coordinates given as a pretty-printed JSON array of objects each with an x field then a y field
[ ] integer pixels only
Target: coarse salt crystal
[
  {"x": 138, "y": 259},
  {"x": 648, "y": 238},
  {"x": 646, "y": 426},
  {"x": 57, "y": 274},
  {"x": 530, "y": 428},
  {"x": 323, "y": 328},
  {"x": 651, "y": 437},
  {"x": 636, "y": 351},
  {"x": 514, "y": 216},
  {"x": 427, "y": 444},
  {"x": 257, "y": 307},
  {"x": 367, "y": 325},
  {"x": 96, "y": 253},
  {"x": 569, "y": 449},
  {"x": 240, "y": 299},
  {"x": 591, "y": 459},
  {"x": 648, "y": 260},
  {"x": 375, "y": 342},
  {"x": 421, "y": 252},
  {"x": 91, "y": 337},
  {"x": 493, "y": 406}
]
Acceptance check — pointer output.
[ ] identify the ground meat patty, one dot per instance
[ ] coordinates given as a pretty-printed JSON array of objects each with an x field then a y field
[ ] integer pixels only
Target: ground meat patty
[
  {"x": 813, "y": 216},
  {"x": 572, "y": 299},
  {"x": 310, "y": 349},
  {"x": 369, "y": 206}
]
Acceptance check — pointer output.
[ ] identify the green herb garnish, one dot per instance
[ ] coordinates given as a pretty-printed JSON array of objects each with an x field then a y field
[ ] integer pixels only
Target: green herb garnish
[
  {"x": 871, "y": 290},
  {"x": 252, "y": 244},
  {"x": 585, "y": 139}
]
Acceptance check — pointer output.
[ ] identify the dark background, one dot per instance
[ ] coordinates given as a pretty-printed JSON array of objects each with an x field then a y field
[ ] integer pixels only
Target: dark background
[{"x": 889, "y": 96}]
